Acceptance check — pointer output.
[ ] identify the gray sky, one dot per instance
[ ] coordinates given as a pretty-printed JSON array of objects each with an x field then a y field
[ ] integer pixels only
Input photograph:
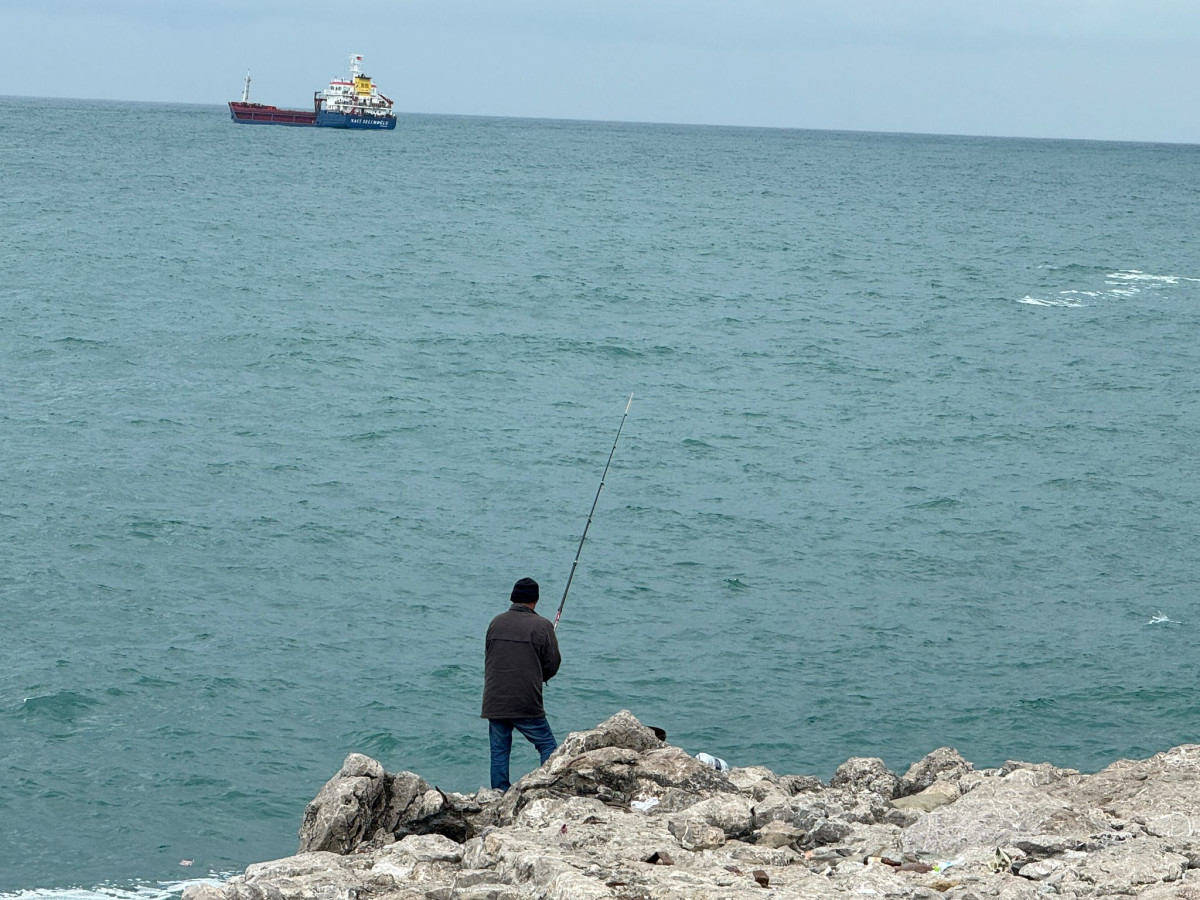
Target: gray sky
[{"x": 1106, "y": 69}]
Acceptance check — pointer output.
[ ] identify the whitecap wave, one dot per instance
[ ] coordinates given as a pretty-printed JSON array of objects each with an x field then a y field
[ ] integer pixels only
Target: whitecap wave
[
  {"x": 1055, "y": 301},
  {"x": 1121, "y": 284},
  {"x": 1136, "y": 275},
  {"x": 163, "y": 890},
  {"x": 1160, "y": 619},
  {"x": 1130, "y": 282}
]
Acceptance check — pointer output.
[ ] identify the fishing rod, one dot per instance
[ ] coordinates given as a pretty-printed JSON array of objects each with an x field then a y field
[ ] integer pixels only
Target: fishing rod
[{"x": 583, "y": 537}]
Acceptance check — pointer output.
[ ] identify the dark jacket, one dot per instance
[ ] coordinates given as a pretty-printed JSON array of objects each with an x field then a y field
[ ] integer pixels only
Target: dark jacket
[{"x": 521, "y": 653}]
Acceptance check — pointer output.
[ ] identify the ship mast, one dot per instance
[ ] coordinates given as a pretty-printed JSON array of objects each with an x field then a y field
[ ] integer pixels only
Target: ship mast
[{"x": 246, "y": 89}]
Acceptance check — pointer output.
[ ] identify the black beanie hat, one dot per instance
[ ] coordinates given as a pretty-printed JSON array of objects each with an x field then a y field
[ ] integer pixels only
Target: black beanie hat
[{"x": 524, "y": 591}]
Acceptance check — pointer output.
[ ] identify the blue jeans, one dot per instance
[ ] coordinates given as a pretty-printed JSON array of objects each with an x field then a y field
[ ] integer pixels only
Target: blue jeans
[{"x": 536, "y": 731}]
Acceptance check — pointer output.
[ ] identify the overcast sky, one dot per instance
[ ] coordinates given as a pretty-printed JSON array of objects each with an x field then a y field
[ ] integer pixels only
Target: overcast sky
[{"x": 1106, "y": 69}]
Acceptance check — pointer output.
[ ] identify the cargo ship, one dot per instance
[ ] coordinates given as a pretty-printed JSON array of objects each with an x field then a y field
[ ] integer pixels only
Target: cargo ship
[{"x": 353, "y": 103}]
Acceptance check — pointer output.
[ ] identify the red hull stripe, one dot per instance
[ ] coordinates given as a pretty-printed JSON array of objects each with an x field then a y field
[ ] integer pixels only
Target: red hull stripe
[{"x": 257, "y": 112}]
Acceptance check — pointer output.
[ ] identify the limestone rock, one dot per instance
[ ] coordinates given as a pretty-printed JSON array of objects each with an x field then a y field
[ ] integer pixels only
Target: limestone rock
[
  {"x": 801, "y": 784},
  {"x": 996, "y": 814},
  {"x": 306, "y": 876},
  {"x": 1124, "y": 869},
  {"x": 862, "y": 807},
  {"x": 869, "y": 774},
  {"x": 620, "y": 730},
  {"x": 423, "y": 848},
  {"x": 756, "y": 782},
  {"x": 866, "y": 841},
  {"x": 568, "y": 831},
  {"x": 1035, "y": 773},
  {"x": 349, "y": 808},
  {"x": 778, "y": 834},
  {"x": 733, "y": 815},
  {"x": 937, "y": 794},
  {"x": 618, "y": 761},
  {"x": 363, "y": 804},
  {"x": 1162, "y": 793},
  {"x": 203, "y": 892},
  {"x": 1171, "y": 892},
  {"x": 696, "y": 834},
  {"x": 942, "y": 765}
]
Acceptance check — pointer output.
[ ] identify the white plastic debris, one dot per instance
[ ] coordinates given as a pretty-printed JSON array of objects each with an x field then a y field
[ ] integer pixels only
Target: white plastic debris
[{"x": 713, "y": 762}]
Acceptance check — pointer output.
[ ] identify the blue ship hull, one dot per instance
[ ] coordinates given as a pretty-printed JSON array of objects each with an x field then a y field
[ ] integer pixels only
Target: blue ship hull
[{"x": 345, "y": 120}]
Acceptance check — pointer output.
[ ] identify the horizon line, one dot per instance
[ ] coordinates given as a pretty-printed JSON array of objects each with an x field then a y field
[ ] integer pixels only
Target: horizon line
[{"x": 682, "y": 124}]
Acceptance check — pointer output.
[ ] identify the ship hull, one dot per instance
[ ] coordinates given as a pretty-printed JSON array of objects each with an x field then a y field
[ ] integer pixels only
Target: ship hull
[
  {"x": 261, "y": 114},
  {"x": 327, "y": 119}
]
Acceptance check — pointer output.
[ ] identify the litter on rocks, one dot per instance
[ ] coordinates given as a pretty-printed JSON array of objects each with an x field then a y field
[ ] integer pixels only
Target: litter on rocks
[{"x": 713, "y": 762}]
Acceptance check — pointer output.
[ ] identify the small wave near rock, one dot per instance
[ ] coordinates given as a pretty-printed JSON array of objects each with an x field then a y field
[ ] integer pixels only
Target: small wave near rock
[{"x": 580, "y": 828}]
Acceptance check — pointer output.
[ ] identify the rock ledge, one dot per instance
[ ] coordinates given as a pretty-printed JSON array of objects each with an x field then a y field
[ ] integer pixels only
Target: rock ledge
[{"x": 617, "y": 813}]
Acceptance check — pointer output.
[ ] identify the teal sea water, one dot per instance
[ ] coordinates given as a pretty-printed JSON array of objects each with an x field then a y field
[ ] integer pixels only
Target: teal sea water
[{"x": 912, "y": 458}]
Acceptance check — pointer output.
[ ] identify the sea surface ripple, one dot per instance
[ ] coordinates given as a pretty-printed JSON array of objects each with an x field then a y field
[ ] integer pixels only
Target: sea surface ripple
[{"x": 911, "y": 460}]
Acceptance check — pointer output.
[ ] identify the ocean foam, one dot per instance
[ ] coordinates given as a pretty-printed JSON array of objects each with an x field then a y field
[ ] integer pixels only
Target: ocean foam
[
  {"x": 1135, "y": 275},
  {"x": 1122, "y": 284},
  {"x": 1159, "y": 619},
  {"x": 1041, "y": 301},
  {"x": 163, "y": 890},
  {"x": 1129, "y": 282}
]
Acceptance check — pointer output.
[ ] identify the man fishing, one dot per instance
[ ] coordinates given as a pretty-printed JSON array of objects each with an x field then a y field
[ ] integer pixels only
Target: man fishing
[{"x": 521, "y": 654}]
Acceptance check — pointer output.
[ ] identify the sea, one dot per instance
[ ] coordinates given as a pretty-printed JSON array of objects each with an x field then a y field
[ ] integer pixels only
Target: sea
[{"x": 912, "y": 458}]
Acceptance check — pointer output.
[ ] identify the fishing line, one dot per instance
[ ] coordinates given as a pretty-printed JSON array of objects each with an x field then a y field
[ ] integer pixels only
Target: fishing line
[{"x": 583, "y": 537}]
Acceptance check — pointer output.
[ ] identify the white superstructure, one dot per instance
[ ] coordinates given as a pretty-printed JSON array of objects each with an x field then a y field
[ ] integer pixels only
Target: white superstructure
[{"x": 357, "y": 96}]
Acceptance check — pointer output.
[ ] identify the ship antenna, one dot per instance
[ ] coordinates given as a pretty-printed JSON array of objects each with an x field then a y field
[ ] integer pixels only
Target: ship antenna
[
  {"x": 355, "y": 59},
  {"x": 246, "y": 89}
]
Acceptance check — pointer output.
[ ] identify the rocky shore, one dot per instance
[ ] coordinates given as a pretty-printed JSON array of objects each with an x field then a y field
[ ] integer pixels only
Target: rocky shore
[{"x": 617, "y": 813}]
